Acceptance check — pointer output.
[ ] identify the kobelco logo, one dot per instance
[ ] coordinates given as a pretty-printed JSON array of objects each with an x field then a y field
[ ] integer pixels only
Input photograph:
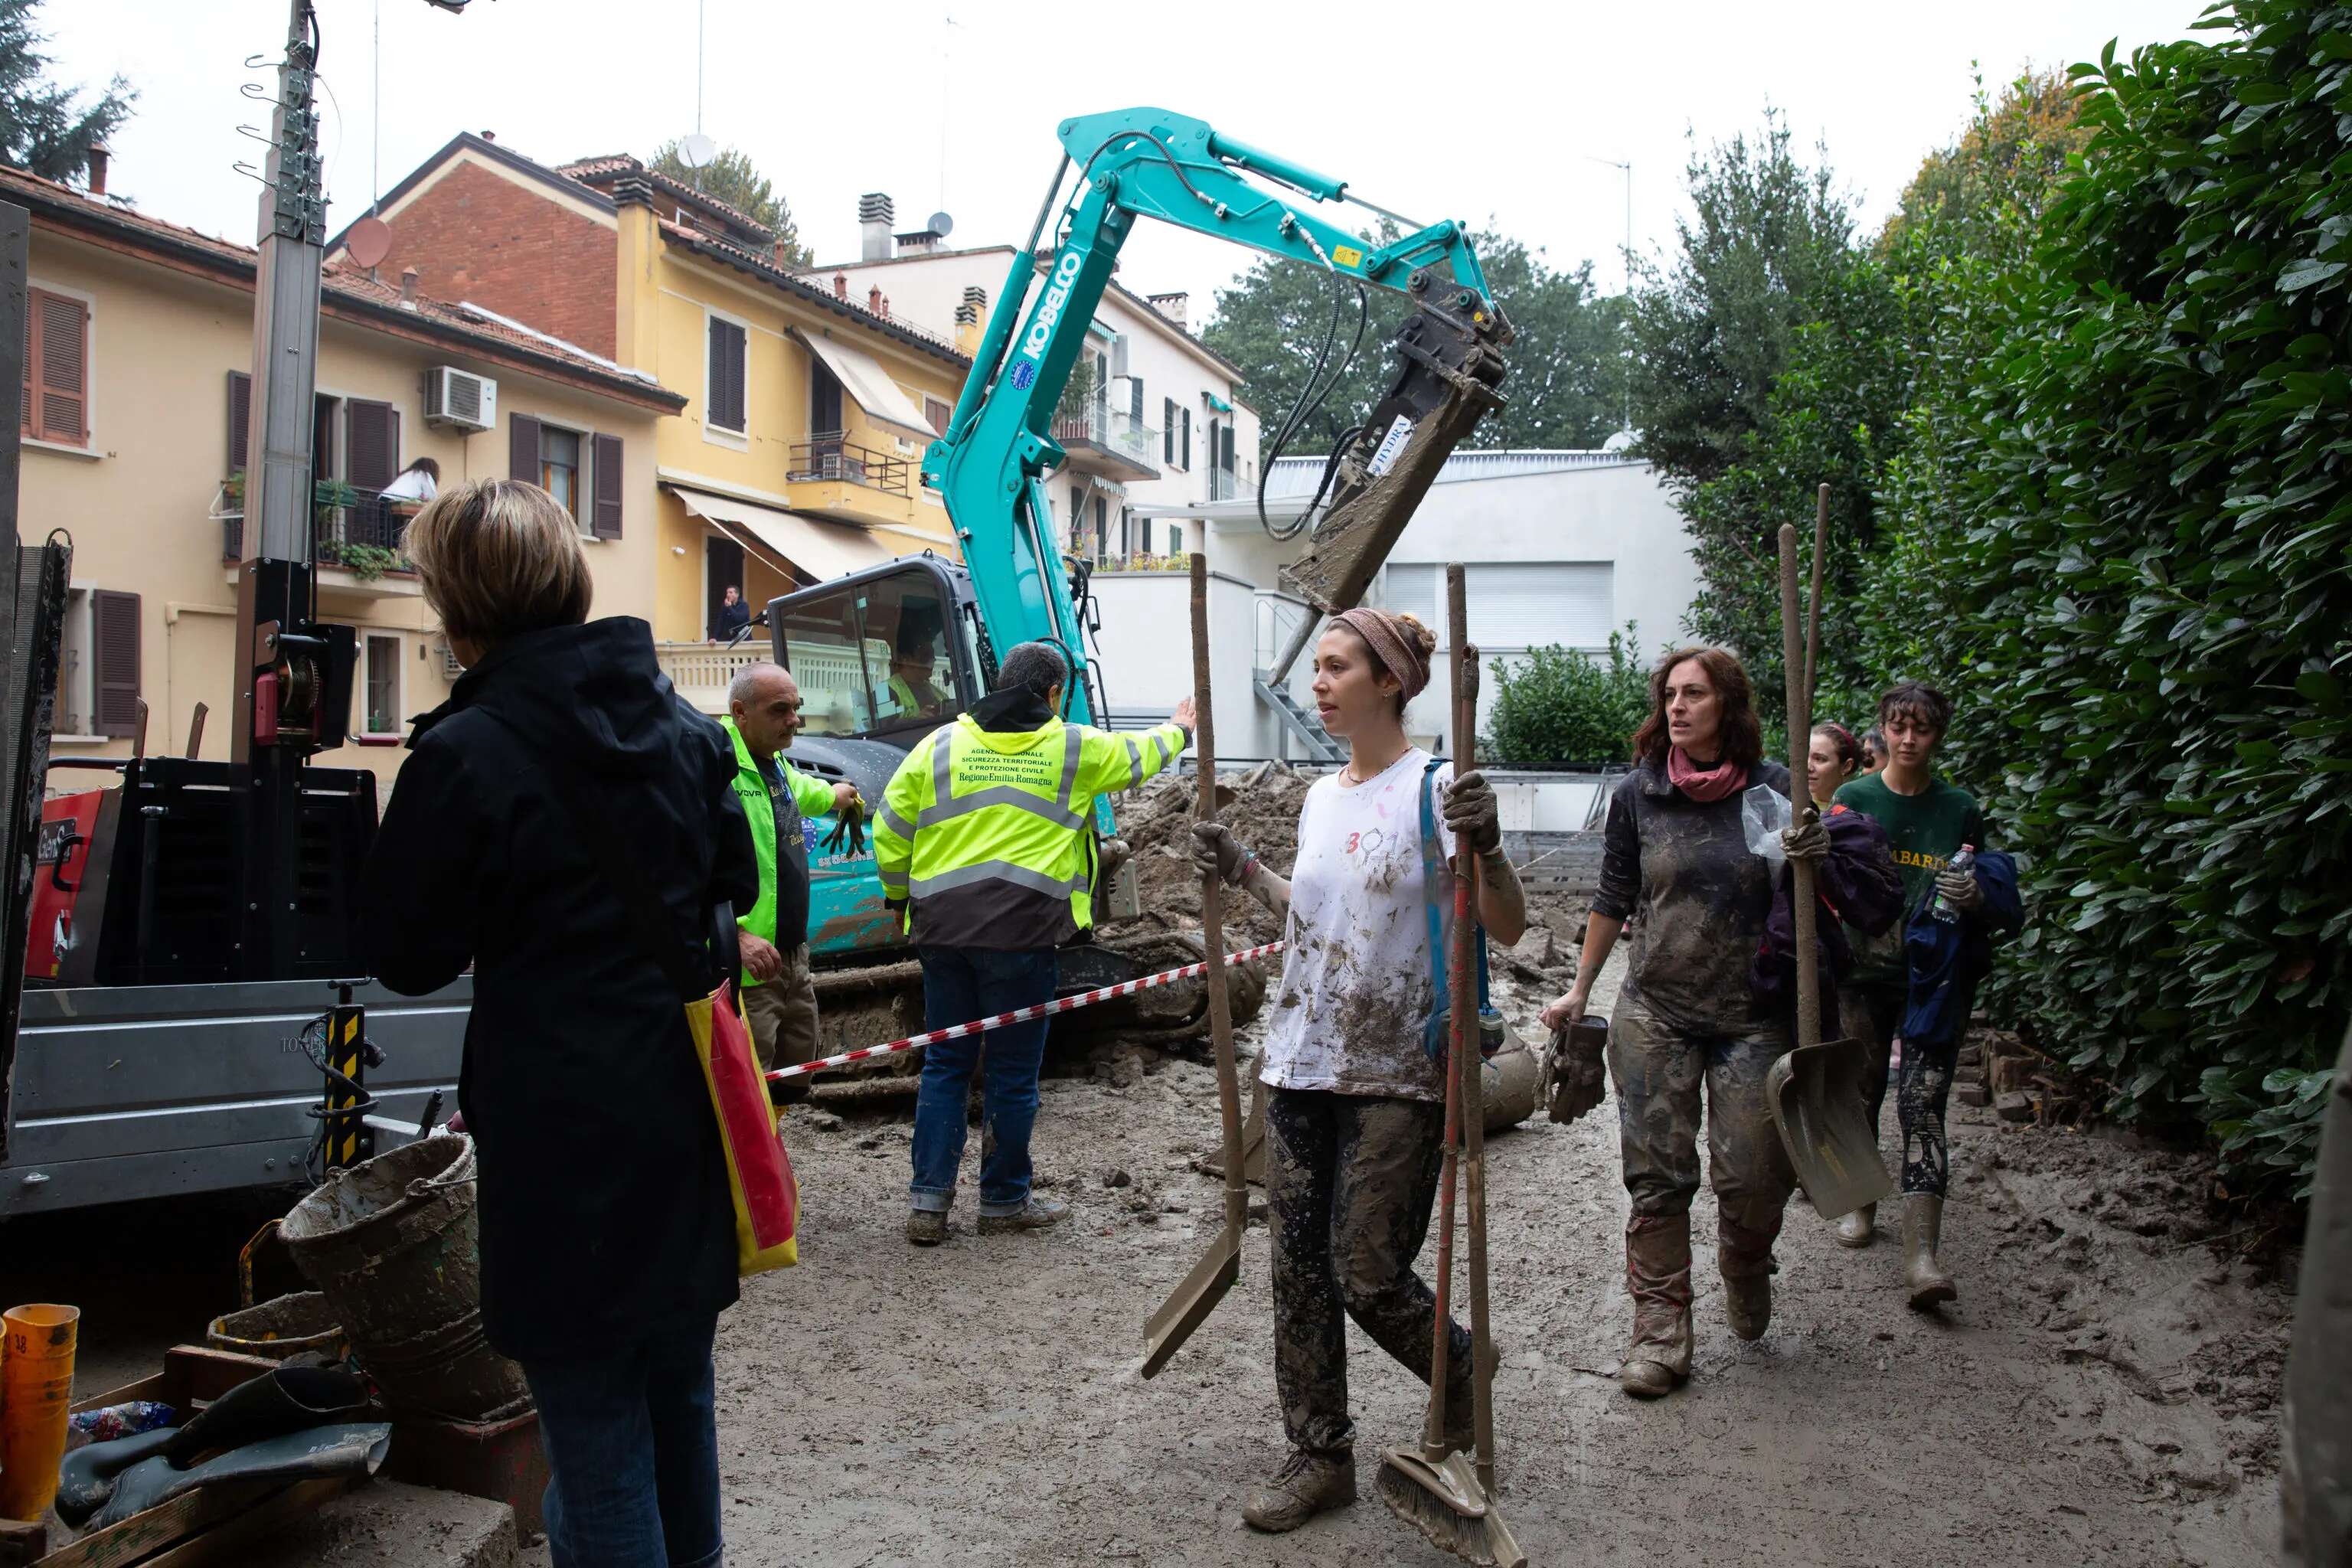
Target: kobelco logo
[{"x": 1058, "y": 292}]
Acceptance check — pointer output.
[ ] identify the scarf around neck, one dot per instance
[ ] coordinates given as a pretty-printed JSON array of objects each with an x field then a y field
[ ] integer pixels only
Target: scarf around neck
[{"x": 1704, "y": 784}]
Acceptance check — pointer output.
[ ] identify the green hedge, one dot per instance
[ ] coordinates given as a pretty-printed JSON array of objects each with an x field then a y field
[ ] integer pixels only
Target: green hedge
[
  {"x": 1558, "y": 706},
  {"x": 2145, "y": 590}
]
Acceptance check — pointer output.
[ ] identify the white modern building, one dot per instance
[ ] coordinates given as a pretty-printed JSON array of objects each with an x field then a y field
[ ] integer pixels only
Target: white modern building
[
  {"x": 1154, "y": 425},
  {"x": 1560, "y": 547}
]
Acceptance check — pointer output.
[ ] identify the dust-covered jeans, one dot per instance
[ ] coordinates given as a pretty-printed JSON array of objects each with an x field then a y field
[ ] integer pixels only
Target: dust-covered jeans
[
  {"x": 782, "y": 1016},
  {"x": 1922, "y": 1090},
  {"x": 1658, "y": 1073},
  {"x": 1349, "y": 1183}
]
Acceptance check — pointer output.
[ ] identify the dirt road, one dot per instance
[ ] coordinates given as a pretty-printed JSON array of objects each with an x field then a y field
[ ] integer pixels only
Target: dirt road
[{"x": 2101, "y": 1393}]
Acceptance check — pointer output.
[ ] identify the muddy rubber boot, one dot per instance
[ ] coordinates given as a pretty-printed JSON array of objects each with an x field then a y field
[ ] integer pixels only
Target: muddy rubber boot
[
  {"x": 1039, "y": 1214},
  {"x": 1743, "y": 1252},
  {"x": 1657, "y": 1276},
  {"x": 1307, "y": 1484},
  {"x": 1859, "y": 1227},
  {"x": 1922, "y": 1230},
  {"x": 927, "y": 1228}
]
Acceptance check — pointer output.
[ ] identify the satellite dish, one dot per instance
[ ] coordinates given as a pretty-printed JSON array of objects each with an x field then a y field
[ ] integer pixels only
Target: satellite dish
[
  {"x": 369, "y": 242},
  {"x": 940, "y": 225},
  {"x": 697, "y": 151}
]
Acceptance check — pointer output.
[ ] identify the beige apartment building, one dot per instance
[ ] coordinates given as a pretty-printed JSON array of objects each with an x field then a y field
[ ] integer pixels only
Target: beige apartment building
[{"x": 140, "y": 345}]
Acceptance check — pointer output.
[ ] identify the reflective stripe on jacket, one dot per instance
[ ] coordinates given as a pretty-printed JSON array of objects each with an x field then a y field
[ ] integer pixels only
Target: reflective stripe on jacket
[
  {"x": 810, "y": 797},
  {"x": 987, "y": 832}
]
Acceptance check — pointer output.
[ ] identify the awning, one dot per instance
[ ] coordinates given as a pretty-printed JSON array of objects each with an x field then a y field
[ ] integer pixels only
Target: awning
[
  {"x": 865, "y": 379},
  {"x": 1218, "y": 405},
  {"x": 800, "y": 546}
]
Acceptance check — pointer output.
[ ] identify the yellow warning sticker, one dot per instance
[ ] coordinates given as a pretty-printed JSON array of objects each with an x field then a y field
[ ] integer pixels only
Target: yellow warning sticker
[{"x": 1347, "y": 256}]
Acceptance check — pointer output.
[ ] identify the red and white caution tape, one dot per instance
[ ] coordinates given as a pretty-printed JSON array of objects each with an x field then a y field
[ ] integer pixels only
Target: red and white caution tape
[{"x": 1021, "y": 1015}]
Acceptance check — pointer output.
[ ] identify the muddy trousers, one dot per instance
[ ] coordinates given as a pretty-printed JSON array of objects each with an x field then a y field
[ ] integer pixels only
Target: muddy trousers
[
  {"x": 1349, "y": 1182},
  {"x": 1659, "y": 1072},
  {"x": 1922, "y": 1088},
  {"x": 782, "y": 1013}
]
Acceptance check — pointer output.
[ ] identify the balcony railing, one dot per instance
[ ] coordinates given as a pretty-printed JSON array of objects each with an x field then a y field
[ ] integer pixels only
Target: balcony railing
[
  {"x": 347, "y": 536},
  {"x": 1222, "y": 486},
  {"x": 833, "y": 457},
  {"x": 1114, "y": 430},
  {"x": 702, "y": 671}
]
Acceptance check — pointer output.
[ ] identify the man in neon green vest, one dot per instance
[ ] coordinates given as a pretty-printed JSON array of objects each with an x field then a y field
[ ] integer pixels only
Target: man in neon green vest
[
  {"x": 763, "y": 714},
  {"x": 985, "y": 839}
]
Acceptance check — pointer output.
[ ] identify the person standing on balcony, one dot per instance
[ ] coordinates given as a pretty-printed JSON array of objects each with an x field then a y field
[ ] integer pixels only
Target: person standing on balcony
[
  {"x": 985, "y": 839},
  {"x": 763, "y": 714},
  {"x": 734, "y": 615}
]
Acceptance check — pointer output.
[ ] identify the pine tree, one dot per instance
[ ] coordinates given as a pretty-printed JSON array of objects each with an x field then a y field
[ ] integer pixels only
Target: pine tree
[{"x": 43, "y": 128}]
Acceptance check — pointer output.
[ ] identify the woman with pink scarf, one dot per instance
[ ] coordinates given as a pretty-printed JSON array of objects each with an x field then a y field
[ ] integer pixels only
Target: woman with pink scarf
[{"x": 1675, "y": 861}]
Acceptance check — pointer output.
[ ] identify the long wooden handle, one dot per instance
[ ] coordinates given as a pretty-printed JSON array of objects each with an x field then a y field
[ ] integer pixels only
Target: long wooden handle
[
  {"x": 1813, "y": 605},
  {"x": 1471, "y": 1065},
  {"x": 1800, "y": 793},
  {"x": 1212, "y": 913}
]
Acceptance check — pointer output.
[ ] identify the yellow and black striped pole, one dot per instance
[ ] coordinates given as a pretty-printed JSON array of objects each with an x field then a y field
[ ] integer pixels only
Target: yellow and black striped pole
[{"x": 348, "y": 1138}]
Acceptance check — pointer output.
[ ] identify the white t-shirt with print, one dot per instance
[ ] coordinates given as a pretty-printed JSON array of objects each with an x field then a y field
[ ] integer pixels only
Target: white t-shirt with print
[{"x": 1356, "y": 991}]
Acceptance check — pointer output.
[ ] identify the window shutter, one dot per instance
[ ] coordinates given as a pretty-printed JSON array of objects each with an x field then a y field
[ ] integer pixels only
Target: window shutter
[
  {"x": 605, "y": 520},
  {"x": 1168, "y": 430},
  {"x": 240, "y": 417},
  {"x": 1187, "y": 447},
  {"x": 726, "y": 370},
  {"x": 56, "y": 398},
  {"x": 736, "y": 391},
  {"x": 1225, "y": 458},
  {"x": 522, "y": 461},
  {"x": 370, "y": 445},
  {"x": 115, "y": 662},
  {"x": 1135, "y": 400}
]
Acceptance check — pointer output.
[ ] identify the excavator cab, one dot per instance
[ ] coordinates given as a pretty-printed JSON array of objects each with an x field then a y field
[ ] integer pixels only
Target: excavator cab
[{"x": 886, "y": 655}]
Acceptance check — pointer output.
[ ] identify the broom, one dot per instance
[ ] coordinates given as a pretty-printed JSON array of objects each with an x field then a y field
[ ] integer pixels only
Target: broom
[{"x": 1437, "y": 1490}]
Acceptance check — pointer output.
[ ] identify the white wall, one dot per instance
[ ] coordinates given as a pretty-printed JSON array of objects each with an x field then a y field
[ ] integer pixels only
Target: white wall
[{"x": 1146, "y": 644}]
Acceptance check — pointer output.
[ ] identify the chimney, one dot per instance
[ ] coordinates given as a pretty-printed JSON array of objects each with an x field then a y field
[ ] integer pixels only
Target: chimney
[
  {"x": 408, "y": 287},
  {"x": 875, "y": 303},
  {"x": 97, "y": 168},
  {"x": 1175, "y": 306},
  {"x": 776, "y": 252},
  {"x": 490, "y": 135},
  {"x": 967, "y": 322},
  {"x": 841, "y": 285},
  {"x": 874, "y": 214}
]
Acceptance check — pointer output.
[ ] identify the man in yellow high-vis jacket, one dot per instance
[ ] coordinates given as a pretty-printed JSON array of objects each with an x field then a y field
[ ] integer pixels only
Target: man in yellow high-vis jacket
[{"x": 985, "y": 839}]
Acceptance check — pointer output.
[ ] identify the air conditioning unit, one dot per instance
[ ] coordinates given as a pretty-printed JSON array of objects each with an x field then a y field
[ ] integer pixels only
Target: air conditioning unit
[
  {"x": 450, "y": 665},
  {"x": 459, "y": 400}
]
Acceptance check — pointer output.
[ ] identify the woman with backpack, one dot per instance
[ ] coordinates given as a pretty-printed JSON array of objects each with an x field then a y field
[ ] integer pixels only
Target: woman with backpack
[{"x": 1353, "y": 1060}]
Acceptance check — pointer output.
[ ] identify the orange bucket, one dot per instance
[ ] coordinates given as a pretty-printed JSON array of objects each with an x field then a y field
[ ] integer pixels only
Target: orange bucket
[{"x": 37, "y": 1367}]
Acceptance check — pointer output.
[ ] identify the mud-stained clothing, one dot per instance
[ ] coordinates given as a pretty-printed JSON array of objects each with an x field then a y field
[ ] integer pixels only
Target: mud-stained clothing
[
  {"x": 782, "y": 1016},
  {"x": 1357, "y": 986},
  {"x": 1658, "y": 1072},
  {"x": 1350, "y": 1182},
  {"x": 1681, "y": 871},
  {"x": 1923, "y": 1087}
]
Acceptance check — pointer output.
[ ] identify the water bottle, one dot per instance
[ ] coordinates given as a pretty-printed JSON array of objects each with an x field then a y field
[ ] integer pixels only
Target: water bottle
[{"x": 1964, "y": 861}]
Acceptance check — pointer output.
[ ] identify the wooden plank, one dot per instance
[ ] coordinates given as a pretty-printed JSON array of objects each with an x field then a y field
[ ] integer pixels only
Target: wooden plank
[
  {"x": 22, "y": 1542},
  {"x": 155, "y": 1386},
  {"x": 226, "y": 1542},
  {"x": 121, "y": 1545}
]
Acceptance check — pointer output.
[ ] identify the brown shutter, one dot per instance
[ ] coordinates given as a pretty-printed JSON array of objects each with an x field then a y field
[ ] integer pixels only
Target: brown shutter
[
  {"x": 370, "y": 445},
  {"x": 726, "y": 390},
  {"x": 240, "y": 417},
  {"x": 523, "y": 448},
  {"x": 56, "y": 405},
  {"x": 605, "y": 511},
  {"x": 115, "y": 661}
]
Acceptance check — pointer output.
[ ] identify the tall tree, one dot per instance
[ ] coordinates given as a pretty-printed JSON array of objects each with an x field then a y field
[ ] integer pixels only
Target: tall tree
[
  {"x": 732, "y": 177},
  {"x": 1566, "y": 386},
  {"x": 44, "y": 126}
]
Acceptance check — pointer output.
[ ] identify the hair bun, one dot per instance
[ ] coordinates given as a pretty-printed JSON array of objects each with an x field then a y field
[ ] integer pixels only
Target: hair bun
[{"x": 1424, "y": 641}]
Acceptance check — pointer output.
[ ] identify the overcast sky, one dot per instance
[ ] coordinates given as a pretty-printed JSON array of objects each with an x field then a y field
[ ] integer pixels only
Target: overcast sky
[{"x": 1502, "y": 121}]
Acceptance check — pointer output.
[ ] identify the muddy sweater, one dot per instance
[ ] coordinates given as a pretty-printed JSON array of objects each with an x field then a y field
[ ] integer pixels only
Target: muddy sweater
[{"x": 1699, "y": 898}]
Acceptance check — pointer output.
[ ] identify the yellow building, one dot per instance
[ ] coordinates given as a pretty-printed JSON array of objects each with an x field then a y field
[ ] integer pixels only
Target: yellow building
[
  {"x": 140, "y": 345},
  {"x": 796, "y": 455}
]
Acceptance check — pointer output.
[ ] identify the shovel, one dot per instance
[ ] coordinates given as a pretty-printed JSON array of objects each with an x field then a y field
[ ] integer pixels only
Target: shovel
[
  {"x": 1815, "y": 1091},
  {"x": 1198, "y": 1296}
]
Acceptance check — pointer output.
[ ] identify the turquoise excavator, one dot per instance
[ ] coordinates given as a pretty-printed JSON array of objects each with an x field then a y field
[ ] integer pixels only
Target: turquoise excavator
[{"x": 886, "y": 655}]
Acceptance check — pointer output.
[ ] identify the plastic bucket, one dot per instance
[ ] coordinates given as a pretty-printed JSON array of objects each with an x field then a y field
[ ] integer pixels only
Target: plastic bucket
[
  {"x": 36, "y": 1366},
  {"x": 288, "y": 1326},
  {"x": 391, "y": 1245}
]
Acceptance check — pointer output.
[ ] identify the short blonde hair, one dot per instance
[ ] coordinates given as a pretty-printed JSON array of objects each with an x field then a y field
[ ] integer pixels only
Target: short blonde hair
[{"x": 499, "y": 558}]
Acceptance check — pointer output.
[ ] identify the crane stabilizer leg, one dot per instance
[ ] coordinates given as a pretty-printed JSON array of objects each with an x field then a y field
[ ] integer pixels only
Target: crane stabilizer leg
[{"x": 1450, "y": 369}]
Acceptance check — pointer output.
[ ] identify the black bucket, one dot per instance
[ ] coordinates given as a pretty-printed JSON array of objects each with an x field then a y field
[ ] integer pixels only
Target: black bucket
[{"x": 391, "y": 1245}]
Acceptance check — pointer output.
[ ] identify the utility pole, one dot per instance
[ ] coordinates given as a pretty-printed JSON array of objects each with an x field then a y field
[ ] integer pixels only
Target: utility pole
[{"x": 1625, "y": 257}]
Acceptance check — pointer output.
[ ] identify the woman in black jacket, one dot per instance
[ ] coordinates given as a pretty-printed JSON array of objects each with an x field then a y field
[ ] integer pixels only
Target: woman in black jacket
[
  {"x": 607, "y": 1233},
  {"x": 1675, "y": 855}
]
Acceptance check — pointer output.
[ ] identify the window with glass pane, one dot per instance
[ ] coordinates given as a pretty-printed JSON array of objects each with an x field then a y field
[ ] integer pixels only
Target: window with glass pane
[
  {"x": 559, "y": 467},
  {"x": 382, "y": 685},
  {"x": 875, "y": 658}
]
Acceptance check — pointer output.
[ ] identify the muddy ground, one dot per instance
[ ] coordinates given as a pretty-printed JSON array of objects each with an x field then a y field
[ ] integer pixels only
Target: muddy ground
[{"x": 2103, "y": 1392}]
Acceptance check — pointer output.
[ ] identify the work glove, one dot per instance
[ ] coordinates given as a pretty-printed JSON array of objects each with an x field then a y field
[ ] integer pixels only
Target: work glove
[
  {"x": 848, "y": 835},
  {"x": 1959, "y": 888},
  {"x": 1215, "y": 851},
  {"x": 1580, "y": 1072},
  {"x": 1470, "y": 814},
  {"x": 1811, "y": 842}
]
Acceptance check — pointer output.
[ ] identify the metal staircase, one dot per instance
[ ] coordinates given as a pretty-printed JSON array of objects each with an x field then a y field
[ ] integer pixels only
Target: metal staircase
[{"x": 1299, "y": 720}]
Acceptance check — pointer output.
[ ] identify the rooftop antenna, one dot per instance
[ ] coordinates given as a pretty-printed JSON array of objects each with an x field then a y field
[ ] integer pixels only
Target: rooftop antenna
[
  {"x": 1625, "y": 257},
  {"x": 700, "y": 6},
  {"x": 948, "y": 27}
]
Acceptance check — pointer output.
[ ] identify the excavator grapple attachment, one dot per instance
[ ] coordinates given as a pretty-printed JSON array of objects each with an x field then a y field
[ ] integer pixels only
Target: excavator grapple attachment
[{"x": 1449, "y": 371}]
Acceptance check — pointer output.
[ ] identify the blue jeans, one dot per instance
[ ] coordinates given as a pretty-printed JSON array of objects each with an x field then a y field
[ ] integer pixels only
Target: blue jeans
[
  {"x": 632, "y": 1453},
  {"x": 960, "y": 984}
]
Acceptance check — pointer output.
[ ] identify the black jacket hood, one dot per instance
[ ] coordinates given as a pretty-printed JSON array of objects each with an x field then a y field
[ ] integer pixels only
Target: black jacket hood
[{"x": 591, "y": 695}]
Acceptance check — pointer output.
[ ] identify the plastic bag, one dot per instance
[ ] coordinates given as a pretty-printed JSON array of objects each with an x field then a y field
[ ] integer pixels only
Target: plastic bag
[{"x": 1764, "y": 814}]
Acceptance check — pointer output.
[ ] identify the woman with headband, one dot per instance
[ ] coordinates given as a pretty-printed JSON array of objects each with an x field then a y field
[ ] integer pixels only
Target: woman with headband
[{"x": 1354, "y": 1071}]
